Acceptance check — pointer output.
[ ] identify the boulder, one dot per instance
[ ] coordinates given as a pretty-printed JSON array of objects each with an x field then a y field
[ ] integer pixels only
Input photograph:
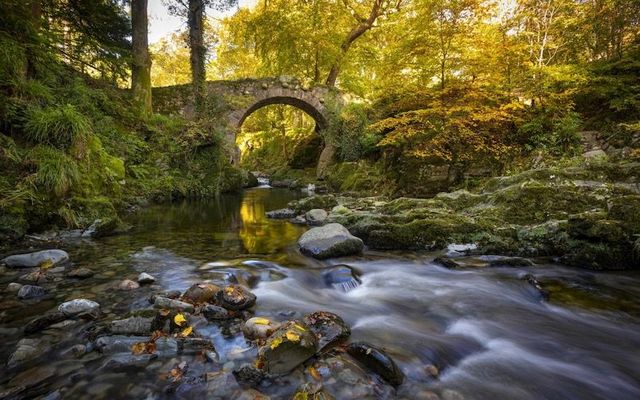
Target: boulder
[
  {"x": 328, "y": 327},
  {"x": 171, "y": 304},
  {"x": 326, "y": 201},
  {"x": 377, "y": 361},
  {"x": 283, "y": 213},
  {"x": 201, "y": 293},
  {"x": 316, "y": 217},
  {"x": 131, "y": 326},
  {"x": 331, "y": 240},
  {"x": 79, "y": 307},
  {"x": 128, "y": 284},
  {"x": 145, "y": 279},
  {"x": 30, "y": 292},
  {"x": 30, "y": 260},
  {"x": 291, "y": 345},
  {"x": 259, "y": 328},
  {"x": 80, "y": 273},
  {"x": 236, "y": 298},
  {"x": 248, "y": 375}
]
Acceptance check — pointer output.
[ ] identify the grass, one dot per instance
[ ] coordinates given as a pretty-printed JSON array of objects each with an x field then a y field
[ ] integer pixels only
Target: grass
[{"x": 58, "y": 126}]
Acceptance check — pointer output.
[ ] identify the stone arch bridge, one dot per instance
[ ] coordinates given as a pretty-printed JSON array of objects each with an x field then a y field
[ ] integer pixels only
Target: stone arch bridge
[{"x": 233, "y": 101}]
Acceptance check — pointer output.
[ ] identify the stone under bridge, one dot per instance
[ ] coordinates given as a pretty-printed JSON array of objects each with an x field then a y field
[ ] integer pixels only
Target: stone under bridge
[{"x": 233, "y": 101}]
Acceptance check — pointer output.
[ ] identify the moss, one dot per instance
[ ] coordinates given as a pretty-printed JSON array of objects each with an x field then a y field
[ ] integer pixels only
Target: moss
[
  {"x": 326, "y": 202},
  {"x": 627, "y": 210}
]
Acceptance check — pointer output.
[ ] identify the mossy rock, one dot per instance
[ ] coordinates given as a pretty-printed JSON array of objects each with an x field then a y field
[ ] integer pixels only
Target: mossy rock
[
  {"x": 627, "y": 210},
  {"x": 325, "y": 202},
  {"x": 595, "y": 227},
  {"x": 601, "y": 256}
]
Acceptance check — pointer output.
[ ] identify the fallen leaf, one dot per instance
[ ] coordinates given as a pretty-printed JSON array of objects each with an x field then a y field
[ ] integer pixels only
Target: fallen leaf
[
  {"x": 179, "y": 319},
  {"x": 46, "y": 264},
  {"x": 292, "y": 336},
  {"x": 261, "y": 321},
  {"x": 186, "y": 331},
  {"x": 315, "y": 374}
]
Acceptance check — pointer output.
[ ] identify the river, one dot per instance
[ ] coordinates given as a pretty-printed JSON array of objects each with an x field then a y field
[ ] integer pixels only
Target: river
[{"x": 456, "y": 334}]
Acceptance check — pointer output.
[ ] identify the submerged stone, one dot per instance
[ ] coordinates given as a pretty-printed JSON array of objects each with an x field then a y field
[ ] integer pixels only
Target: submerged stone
[
  {"x": 79, "y": 307},
  {"x": 291, "y": 345},
  {"x": 80, "y": 273},
  {"x": 214, "y": 313},
  {"x": 44, "y": 322},
  {"x": 171, "y": 304},
  {"x": 248, "y": 376},
  {"x": 331, "y": 240},
  {"x": 145, "y": 279},
  {"x": 377, "y": 361},
  {"x": 132, "y": 326},
  {"x": 341, "y": 277},
  {"x": 283, "y": 213},
  {"x": 128, "y": 284},
  {"x": 30, "y": 292},
  {"x": 35, "y": 259}
]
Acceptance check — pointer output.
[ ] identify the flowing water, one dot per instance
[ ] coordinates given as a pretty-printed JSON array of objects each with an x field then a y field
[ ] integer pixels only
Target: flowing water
[{"x": 486, "y": 333}]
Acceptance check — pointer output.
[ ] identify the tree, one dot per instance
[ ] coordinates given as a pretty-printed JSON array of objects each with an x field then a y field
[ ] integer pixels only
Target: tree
[
  {"x": 141, "y": 61},
  {"x": 194, "y": 10},
  {"x": 377, "y": 8}
]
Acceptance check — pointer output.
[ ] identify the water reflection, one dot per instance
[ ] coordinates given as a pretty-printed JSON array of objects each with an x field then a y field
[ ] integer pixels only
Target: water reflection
[{"x": 259, "y": 234}]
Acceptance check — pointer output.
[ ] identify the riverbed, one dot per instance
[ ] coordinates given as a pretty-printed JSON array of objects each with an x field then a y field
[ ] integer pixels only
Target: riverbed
[{"x": 482, "y": 333}]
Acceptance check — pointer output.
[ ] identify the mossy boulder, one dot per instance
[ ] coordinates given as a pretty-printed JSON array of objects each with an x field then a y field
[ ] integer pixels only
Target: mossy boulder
[
  {"x": 627, "y": 210},
  {"x": 325, "y": 202}
]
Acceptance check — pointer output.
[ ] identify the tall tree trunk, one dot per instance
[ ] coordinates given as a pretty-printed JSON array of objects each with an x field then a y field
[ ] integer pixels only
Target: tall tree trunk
[
  {"x": 198, "y": 51},
  {"x": 141, "y": 64},
  {"x": 32, "y": 37}
]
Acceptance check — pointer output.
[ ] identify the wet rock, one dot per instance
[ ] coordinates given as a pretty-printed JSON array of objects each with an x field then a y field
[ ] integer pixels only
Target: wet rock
[
  {"x": 316, "y": 217},
  {"x": 328, "y": 327},
  {"x": 171, "y": 304},
  {"x": 80, "y": 273},
  {"x": 448, "y": 394},
  {"x": 531, "y": 280},
  {"x": 131, "y": 326},
  {"x": 259, "y": 328},
  {"x": 214, "y": 313},
  {"x": 236, "y": 297},
  {"x": 311, "y": 391},
  {"x": 252, "y": 394},
  {"x": 283, "y": 213},
  {"x": 289, "y": 346},
  {"x": 377, "y": 361},
  {"x": 172, "y": 294},
  {"x": 28, "y": 349},
  {"x": 341, "y": 277},
  {"x": 309, "y": 203},
  {"x": 38, "y": 276},
  {"x": 299, "y": 220},
  {"x": 165, "y": 347},
  {"x": 44, "y": 322},
  {"x": 79, "y": 307},
  {"x": 511, "y": 262},
  {"x": 447, "y": 262},
  {"x": 145, "y": 279},
  {"x": 33, "y": 377},
  {"x": 14, "y": 287},
  {"x": 221, "y": 385},
  {"x": 78, "y": 350},
  {"x": 36, "y": 259},
  {"x": 128, "y": 284},
  {"x": 201, "y": 293},
  {"x": 193, "y": 345},
  {"x": 248, "y": 376},
  {"x": 30, "y": 292},
  {"x": 331, "y": 240},
  {"x": 124, "y": 362}
]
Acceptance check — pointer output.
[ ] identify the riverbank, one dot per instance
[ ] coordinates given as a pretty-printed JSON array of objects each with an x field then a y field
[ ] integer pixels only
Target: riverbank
[{"x": 584, "y": 215}]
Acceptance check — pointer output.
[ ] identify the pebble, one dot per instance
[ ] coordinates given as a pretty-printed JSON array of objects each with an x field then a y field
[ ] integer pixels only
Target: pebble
[
  {"x": 30, "y": 292},
  {"x": 78, "y": 307},
  {"x": 13, "y": 287},
  {"x": 80, "y": 273},
  {"x": 145, "y": 278}
]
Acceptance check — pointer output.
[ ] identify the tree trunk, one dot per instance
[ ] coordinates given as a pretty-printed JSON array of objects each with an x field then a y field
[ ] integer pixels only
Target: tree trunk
[
  {"x": 32, "y": 37},
  {"x": 354, "y": 34},
  {"x": 141, "y": 64},
  {"x": 198, "y": 51}
]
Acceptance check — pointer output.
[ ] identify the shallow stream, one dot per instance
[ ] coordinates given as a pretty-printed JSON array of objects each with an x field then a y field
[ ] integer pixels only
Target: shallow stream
[{"x": 456, "y": 334}]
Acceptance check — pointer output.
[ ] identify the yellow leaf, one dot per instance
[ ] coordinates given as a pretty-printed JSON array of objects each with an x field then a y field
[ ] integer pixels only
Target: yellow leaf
[
  {"x": 299, "y": 327},
  {"x": 46, "y": 264},
  {"x": 186, "y": 331},
  {"x": 276, "y": 342},
  {"x": 292, "y": 336},
  {"x": 261, "y": 321},
  {"x": 179, "y": 319}
]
